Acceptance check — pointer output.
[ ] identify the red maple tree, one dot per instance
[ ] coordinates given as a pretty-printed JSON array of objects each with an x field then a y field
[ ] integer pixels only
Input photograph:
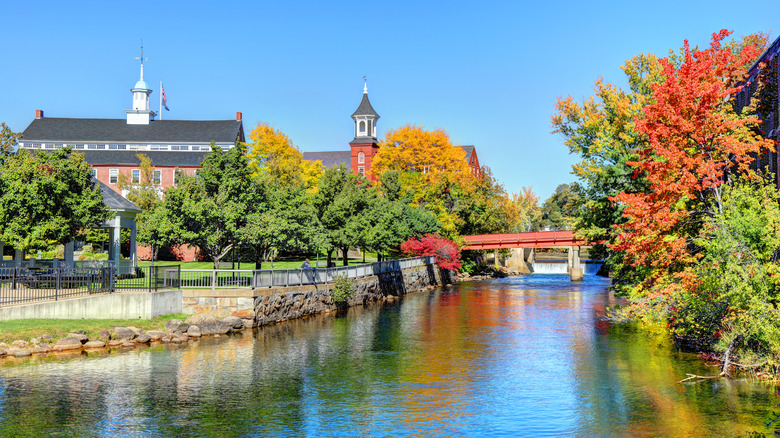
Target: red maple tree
[
  {"x": 695, "y": 141},
  {"x": 445, "y": 251}
]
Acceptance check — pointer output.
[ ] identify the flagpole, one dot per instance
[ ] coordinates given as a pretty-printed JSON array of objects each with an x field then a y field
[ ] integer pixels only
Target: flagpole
[{"x": 160, "y": 99}]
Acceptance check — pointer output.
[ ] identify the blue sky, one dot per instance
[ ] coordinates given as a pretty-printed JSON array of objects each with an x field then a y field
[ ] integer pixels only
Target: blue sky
[{"x": 487, "y": 72}]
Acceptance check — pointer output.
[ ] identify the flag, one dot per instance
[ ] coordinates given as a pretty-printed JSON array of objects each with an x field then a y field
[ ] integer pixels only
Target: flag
[{"x": 164, "y": 99}]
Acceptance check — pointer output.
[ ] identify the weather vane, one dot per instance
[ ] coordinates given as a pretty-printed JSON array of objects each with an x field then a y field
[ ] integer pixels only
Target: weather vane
[{"x": 142, "y": 59}]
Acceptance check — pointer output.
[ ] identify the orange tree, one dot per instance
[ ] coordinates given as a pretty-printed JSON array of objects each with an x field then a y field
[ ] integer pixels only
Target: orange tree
[{"x": 695, "y": 143}]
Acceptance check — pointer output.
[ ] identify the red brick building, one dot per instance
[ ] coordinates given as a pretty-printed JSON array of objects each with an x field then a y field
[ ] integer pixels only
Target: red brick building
[{"x": 111, "y": 146}]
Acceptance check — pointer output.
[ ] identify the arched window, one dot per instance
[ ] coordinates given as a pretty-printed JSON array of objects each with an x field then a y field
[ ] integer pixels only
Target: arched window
[
  {"x": 361, "y": 158},
  {"x": 362, "y": 127}
]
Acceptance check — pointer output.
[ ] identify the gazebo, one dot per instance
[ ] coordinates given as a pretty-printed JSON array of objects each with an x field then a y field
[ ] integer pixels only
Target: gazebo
[{"x": 124, "y": 213}]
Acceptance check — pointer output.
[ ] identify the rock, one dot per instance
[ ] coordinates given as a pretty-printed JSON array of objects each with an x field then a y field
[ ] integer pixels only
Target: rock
[
  {"x": 95, "y": 344},
  {"x": 4, "y": 346},
  {"x": 104, "y": 335},
  {"x": 136, "y": 331},
  {"x": 80, "y": 332},
  {"x": 40, "y": 349},
  {"x": 244, "y": 314},
  {"x": 156, "y": 335},
  {"x": 128, "y": 343},
  {"x": 123, "y": 333},
  {"x": 3, "y": 352},
  {"x": 143, "y": 339},
  {"x": 193, "y": 331},
  {"x": 20, "y": 343},
  {"x": 22, "y": 352},
  {"x": 35, "y": 341},
  {"x": 183, "y": 338},
  {"x": 249, "y": 323},
  {"x": 209, "y": 325},
  {"x": 235, "y": 322},
  {"x": 80, "y": 336},
  {"x": 69, "y": 343},
  {"x": 176, "y": 325},
  {"x": 165, "y": 339},
  {"x": 176, "y": 340},
  {"x": 47, "y": 337}
]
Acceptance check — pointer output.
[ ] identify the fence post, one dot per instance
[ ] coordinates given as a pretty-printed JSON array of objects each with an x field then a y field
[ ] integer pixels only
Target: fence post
[
  {"x": 58, "y": 272},
  {"x": 13, "y": 278},
  {"x": 214, "y": 276}
]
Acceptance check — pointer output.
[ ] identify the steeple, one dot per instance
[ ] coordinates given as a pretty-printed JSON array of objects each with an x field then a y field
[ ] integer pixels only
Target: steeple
[
  {"x": 140, "y": 114},
  {"x": 365, "y": 117}
]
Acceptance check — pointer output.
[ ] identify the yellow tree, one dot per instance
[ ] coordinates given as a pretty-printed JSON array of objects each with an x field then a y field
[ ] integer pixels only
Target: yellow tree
[
  {"x": 529, "y": 213},
  {"x": 412, "y": 148},
  {"x": 431, "y": 168},
  {"x": 272, "y": 154}
]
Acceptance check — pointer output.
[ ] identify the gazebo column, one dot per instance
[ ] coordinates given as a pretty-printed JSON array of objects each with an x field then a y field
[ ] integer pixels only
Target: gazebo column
[
  {"x": 114, "y": 241},
  {"x": 68, "y": 255},
  {"x": 133, "y": 246}
]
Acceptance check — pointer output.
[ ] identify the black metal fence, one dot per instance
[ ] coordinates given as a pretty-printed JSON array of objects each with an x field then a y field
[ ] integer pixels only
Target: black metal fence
[{"x": 26, "y": 285}]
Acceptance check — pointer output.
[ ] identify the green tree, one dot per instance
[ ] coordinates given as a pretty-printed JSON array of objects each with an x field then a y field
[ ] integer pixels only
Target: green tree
[
  {"x": 281, "y": 217},
  {"x": 47, "y": 198},
  {"x": 343, "y": 204},
  {"x": 213, "y": 205},
  {"x": 8, "y": 141},
  {"x": 561, "y": 209}
]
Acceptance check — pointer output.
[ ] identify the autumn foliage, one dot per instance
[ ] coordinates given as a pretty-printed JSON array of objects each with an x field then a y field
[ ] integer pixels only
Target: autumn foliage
[
  {"x": 446, "y": 251},
  {"x": 695, "y": 142}
]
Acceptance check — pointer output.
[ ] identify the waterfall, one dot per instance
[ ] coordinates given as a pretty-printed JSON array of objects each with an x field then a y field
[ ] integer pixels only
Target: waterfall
[{"x": 559, "y": 267}]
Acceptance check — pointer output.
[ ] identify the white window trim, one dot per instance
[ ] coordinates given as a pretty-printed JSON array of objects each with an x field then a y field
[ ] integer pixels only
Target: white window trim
[
  {"x": 115, "y": 175},
  {"x": 132, "y": 176}
]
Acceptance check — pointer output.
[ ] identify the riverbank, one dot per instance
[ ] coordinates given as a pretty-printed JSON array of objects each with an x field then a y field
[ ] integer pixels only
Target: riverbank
[{"x": 212, "y": 316}]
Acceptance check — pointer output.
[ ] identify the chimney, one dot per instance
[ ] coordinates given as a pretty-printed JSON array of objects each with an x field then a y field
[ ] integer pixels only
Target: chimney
[
  {"x": 238, "y": 116},
  {"x": 38, "y": 114}
]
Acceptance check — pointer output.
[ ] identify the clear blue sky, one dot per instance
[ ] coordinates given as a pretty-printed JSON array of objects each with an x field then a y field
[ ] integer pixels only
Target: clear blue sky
[{"x": 487, "y": 72}]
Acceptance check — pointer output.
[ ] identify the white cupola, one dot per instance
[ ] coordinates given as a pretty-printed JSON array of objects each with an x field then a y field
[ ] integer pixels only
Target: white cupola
[
  {"x": 140, "y": 114},
  {"x": 365, "y": 118}
]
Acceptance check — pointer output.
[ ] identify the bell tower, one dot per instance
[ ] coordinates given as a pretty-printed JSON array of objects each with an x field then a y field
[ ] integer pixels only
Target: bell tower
[{"x": 364, "y": 146}]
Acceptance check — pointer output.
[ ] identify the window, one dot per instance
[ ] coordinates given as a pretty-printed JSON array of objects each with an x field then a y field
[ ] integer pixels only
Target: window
[
  {"x": 176, "y": 174},
  {"x": 362, "y": 127},
  {"x": 157, "y": 177},
  {"x": 94, "y": 173},
  {"x": 113, "y": 176},
  {"x": 361, "y": 171},
  {"x": 361, "y": 158},
  {"x": 136, "y": 176}
]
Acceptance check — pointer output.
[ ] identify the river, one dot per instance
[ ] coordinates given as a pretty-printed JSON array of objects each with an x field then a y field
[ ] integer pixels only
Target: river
[{"x": 521, "y": 356}]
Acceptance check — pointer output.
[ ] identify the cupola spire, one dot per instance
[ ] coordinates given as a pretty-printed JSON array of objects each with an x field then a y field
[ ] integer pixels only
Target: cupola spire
[{"x": 140, "y": 114}]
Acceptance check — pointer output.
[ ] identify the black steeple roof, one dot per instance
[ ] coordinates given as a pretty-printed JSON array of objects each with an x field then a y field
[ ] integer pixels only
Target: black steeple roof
[{"x": 365, "y": 108}]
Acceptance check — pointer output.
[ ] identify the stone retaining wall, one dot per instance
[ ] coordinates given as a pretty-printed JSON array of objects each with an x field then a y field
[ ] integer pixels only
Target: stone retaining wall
[{"x": 266, "y": 306}]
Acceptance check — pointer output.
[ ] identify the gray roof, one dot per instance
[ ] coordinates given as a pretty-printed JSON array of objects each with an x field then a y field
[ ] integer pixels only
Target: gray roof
[
  {"x": 330, "y": 158},
  {"x": 469, "y": 149},
  {"x": 119, "y": 131},
  {"x": 159, "y": 158},
  {"x": 365, "y": 108},
  {"x": 114, "y": 200}
]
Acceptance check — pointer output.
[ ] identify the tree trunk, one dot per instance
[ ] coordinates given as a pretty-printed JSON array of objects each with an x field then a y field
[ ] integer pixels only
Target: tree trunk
[
  {"x": 330, "y": 257},
  {"x": 345, "y": 254}
]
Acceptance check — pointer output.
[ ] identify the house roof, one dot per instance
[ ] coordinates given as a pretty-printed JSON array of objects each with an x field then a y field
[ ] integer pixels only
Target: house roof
[
  {"x": 469, "y": 150},
  {"x": 119, "y": 131},
  {"x": 159, "y": 158},
  {"x": 330, "y": 158},
  {"x": 114, "y": 200},
  {"x": 365, "y": 108}
]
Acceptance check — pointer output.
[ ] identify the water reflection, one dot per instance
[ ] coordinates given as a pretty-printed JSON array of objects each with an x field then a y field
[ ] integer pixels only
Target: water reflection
[{"x": 521, "y": 356}]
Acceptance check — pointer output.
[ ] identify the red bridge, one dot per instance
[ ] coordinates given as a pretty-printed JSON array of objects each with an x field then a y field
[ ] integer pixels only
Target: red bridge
[{"x": 538, "y": 239}]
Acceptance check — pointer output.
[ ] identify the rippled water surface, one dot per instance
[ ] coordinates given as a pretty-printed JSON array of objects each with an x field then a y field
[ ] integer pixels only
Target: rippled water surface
[{"x": 524, "y": 356}]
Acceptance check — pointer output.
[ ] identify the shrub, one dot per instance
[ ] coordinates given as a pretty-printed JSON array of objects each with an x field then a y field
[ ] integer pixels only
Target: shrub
[
  {"x": 446, "y": 251},
  {"x": 343, "y": 290}
]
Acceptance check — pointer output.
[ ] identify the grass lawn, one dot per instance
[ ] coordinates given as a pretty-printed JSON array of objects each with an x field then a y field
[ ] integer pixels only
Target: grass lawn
[{"x": 26, "y": 329}]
